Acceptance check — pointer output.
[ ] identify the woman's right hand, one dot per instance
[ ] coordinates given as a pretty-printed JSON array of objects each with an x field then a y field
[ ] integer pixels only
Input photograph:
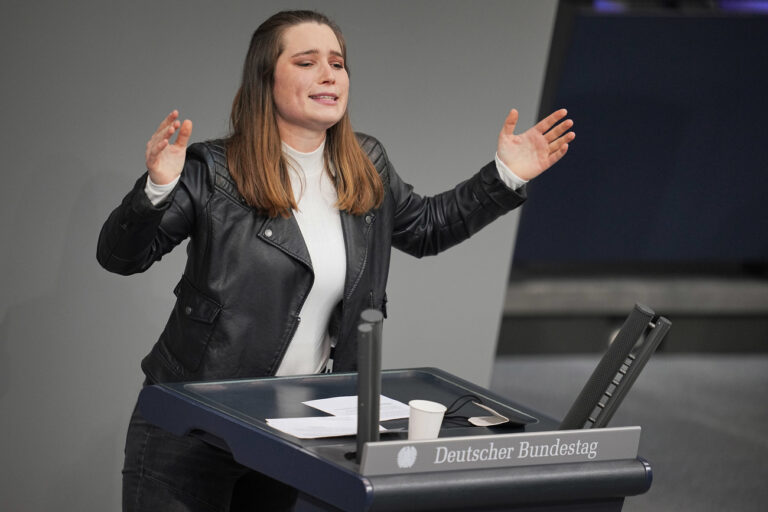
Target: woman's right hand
[{"x": 165, "y": 160}]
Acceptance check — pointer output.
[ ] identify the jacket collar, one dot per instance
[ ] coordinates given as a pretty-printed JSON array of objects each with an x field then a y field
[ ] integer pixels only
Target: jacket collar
[{"x": 284, "y": 233}]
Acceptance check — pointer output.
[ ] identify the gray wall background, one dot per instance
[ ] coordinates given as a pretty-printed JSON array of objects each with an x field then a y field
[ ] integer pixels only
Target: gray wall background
[{"x": 83, "y": 86}]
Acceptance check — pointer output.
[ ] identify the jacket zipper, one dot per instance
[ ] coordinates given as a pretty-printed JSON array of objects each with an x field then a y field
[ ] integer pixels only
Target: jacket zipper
[
  {"x": 294, "y": 328},
  {"x": 359, "y": 276},
  {"x": 352, "y": 288}
]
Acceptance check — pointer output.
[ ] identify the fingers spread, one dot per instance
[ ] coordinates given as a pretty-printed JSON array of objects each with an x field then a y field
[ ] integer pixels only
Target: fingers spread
[
  {"x": 170, "y": 118},
  {"x": 170, "y": 130},
  {"x": 164, "y": 131},
  {"x": 510, "y": 122},
  {"x": 548, "y": 122},
  {"x": 554, "y": 157},
  {"x": 184, "y": 132},
  {"x": 558, "y": 130},
  {"x": 557, "y": 144}
]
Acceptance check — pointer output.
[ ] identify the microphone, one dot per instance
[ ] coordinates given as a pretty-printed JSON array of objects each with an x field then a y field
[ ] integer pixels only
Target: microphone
[{"x": 368, "y": 378}]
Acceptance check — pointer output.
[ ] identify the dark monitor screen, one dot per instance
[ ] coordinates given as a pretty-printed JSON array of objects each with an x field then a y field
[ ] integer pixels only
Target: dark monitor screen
[{"x": 669, "y": 168}]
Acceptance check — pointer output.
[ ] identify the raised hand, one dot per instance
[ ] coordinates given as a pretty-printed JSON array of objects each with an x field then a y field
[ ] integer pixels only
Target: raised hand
[
  {"x": 165, "y": 160},
  {"x": 537, "y": 149}
]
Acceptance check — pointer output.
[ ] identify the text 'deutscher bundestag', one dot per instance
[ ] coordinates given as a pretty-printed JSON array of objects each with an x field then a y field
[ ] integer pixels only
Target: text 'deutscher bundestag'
[{"x": 507, "y": 450}]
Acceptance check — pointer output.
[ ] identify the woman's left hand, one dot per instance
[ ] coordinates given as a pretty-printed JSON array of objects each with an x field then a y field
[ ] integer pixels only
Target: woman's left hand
[{"x": 537, "y": 149}]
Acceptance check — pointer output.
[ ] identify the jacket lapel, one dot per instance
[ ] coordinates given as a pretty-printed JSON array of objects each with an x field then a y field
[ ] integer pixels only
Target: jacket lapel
[{"x": 284, "y": 233}]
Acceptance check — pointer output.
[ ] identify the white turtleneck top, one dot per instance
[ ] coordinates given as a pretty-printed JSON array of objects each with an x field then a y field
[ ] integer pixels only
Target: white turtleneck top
[{"x": 320, "y": 225}]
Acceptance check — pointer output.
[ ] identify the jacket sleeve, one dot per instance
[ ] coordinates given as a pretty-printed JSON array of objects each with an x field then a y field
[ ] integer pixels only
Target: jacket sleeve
[
  {"x": 424, "y": 226},
  {"x": 138, "y": 233}
]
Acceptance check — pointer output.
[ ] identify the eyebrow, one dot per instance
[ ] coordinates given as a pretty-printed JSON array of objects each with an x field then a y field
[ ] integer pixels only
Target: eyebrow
[{"x": 315, "y": 51}]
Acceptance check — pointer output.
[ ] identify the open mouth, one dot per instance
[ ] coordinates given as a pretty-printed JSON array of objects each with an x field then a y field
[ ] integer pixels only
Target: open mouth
[{"x": 325, "y": 98}]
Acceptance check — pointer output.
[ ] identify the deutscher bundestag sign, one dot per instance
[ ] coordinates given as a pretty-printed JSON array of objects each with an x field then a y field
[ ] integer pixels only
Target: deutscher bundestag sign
[{"x": 506, "y": 450}]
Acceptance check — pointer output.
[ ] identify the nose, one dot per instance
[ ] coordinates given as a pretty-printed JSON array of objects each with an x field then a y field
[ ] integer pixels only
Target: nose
[{"x": 326, "y": 74}]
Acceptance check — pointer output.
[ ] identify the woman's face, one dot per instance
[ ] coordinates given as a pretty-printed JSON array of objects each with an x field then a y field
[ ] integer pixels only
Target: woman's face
[{"x": 311, "y": 84}]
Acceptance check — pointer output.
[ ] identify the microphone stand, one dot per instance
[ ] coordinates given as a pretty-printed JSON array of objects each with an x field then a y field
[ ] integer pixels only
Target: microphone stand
[{"x": 368, "y": 378}]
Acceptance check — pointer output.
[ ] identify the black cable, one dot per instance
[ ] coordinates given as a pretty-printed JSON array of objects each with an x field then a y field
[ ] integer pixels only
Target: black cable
[{"x": 456, "y": 406}]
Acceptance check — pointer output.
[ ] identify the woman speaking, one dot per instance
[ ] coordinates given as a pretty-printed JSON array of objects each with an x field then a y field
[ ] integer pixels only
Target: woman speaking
[{"x": 291, "y": 220}]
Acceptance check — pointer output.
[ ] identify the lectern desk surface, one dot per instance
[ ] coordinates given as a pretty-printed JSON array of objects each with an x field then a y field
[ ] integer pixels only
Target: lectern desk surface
[{"x": 232, "y": 415}]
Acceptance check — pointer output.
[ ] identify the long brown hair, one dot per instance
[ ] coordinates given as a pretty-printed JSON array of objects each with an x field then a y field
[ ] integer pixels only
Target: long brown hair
[{"x": 254, "y": 151}]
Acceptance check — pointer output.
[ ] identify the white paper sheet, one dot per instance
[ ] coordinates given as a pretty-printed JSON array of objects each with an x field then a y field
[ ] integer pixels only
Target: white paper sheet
[
  {"x": 389, "y": 409},
  {"x": 318, "y": 426}
]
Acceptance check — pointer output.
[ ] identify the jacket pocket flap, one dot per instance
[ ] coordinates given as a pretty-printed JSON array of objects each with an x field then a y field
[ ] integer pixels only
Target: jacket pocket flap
[{"x": 195, "y": 305}]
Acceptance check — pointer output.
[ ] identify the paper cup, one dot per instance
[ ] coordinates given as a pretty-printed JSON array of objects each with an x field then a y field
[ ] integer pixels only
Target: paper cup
[{"x": 425, "y": 419}]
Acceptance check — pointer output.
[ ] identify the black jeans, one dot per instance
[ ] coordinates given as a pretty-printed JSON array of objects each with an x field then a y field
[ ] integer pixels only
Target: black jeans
[{"x": 168, "y": 473}]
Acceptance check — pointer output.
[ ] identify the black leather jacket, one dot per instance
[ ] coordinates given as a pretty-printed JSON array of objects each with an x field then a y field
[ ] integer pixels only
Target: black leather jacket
[{"x": 247, "y": 275}]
